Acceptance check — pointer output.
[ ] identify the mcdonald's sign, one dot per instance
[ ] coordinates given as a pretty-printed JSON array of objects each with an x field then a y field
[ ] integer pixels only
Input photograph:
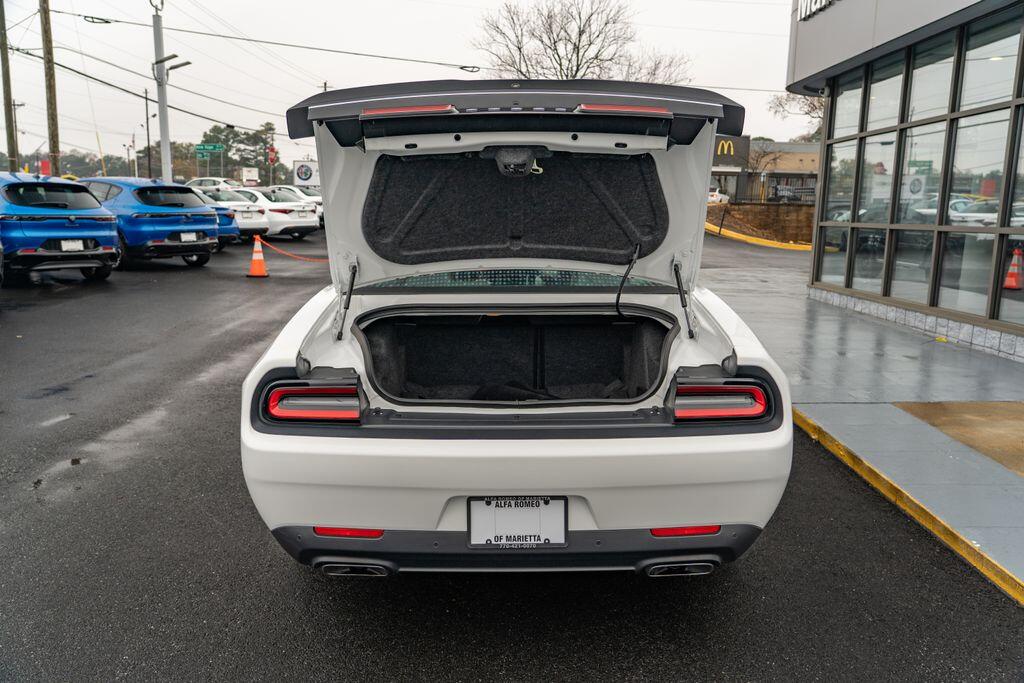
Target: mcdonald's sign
[{"x": 732, "y": 150}]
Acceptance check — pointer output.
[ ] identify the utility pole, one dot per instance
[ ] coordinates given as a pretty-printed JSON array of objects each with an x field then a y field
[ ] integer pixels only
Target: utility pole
[
  {"x": 149, "y": 147},
  {"x": 51, "y": 86},
  {"x": 17, "y": 139},
  {"x": 160, "y": 73},
  {"x": 10, "y": 120}
]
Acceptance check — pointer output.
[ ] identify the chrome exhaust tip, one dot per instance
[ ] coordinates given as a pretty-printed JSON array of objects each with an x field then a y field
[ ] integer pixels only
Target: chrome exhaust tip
[
  {"x": 680, "y": 569},
  {"x": 349, "y": 569}
]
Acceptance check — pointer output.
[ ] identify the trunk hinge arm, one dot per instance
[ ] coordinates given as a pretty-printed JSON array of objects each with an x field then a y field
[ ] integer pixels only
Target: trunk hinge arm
[
  {"x": 677, "y": 270},
  {"x": 353, "y": 269}
]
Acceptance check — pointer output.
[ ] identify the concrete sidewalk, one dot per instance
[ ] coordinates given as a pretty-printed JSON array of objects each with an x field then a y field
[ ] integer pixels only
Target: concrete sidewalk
[{"x": 847, "y": 370}]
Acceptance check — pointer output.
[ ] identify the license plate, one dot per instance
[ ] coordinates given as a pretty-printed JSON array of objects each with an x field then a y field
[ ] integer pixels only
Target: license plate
[
  {"x": 518, "y": 522},
  {"x": 246, "y": 214},
  {"x": 303, "y": 214},
  {"x": 188, "y": 237},
  {"x": 72, "y": 245}
]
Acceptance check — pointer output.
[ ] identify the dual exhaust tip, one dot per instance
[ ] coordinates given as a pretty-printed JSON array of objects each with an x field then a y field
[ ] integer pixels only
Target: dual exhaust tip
[{"x": 657, "y": 571}]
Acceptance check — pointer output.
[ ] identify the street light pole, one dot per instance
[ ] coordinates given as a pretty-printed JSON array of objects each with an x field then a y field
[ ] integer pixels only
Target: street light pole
[
  {"x": 160, "y": 74},
  {"x": 9, "y": 116}
]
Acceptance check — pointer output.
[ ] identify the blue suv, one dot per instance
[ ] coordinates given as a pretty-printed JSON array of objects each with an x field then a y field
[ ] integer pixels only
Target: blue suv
[
  {"x": 50, "y": 223},
  {"x": 157, "y": 219},
  {"x": 227, "y": 227}
]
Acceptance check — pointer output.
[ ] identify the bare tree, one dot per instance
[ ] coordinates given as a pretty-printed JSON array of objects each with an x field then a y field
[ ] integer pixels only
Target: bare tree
[
  {"x": 790, "y": 104},
  {"x": 762, "y": 156},
  {"x": 565, "y": 39}
]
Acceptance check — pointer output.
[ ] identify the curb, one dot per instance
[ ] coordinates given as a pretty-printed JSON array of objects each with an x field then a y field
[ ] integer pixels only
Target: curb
[
  {"x": 740, "y": 237},
  {"x": 992, "y": 570}
]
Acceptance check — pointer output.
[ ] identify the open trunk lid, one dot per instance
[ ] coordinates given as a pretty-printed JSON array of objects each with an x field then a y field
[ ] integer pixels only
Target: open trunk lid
[{"x": 441, "y": 176}]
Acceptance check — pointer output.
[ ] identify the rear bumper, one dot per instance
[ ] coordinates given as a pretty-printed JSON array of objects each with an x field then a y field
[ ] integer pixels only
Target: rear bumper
[
  {"x": 56, "y": 260},
  {"x": 250, "y": 232},
  {"x": 150, "y": 250},
  {"x": 446, "y": 551}
]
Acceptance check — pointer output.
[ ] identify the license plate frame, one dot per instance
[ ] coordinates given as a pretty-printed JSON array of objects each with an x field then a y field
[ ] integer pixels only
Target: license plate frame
[
  {"x": 72, "y": 245},
  {"x": 545, "y": 533},
  {"x": 189, "y": 237}
]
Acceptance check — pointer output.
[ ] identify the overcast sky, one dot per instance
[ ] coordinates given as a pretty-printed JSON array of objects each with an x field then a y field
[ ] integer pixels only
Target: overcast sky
[{"x": 731, "y": 43}]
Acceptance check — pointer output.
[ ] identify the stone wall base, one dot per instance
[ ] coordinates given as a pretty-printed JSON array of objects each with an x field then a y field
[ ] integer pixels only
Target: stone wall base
[{"x": 1003, "y": 344}]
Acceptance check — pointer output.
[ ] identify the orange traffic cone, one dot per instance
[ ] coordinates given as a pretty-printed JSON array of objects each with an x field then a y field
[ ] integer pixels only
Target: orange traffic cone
[
  {"x": 1013, "y": 275},
  {"x": 257, "y": 267}
]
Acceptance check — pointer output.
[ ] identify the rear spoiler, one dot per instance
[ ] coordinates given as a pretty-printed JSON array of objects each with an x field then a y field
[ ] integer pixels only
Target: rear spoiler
[{"x": 675, "y": 112}]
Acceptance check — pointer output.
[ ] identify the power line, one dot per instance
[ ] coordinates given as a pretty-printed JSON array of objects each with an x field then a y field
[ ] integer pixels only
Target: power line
[{"x": 105, "y": 20}]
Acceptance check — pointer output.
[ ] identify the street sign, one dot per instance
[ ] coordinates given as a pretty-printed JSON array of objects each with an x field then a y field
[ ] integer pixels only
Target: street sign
[
  {"x": 210, "y": 147},
  {"x": 202, "y": 155}
]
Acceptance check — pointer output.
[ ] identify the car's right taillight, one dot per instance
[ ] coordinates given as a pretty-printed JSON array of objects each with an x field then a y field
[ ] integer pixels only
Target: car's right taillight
[
  {"x": 313, "y": 404},
  {"x": 732, "y": 401}
]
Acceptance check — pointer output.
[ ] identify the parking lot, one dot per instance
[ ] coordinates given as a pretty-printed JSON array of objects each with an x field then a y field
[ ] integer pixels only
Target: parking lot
[{"x": 132, "y": 548}]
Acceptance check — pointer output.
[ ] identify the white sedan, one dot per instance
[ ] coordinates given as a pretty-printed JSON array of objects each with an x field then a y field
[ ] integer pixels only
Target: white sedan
[
  {"x": 252, "y": 220},
  {"x": 514, "y": 368},
  {"x": 307, "y": 194},
  {"x": 716, "y": 196},
  {"x": 212, "y": 182},
  {"x": 286, "y": 213}
]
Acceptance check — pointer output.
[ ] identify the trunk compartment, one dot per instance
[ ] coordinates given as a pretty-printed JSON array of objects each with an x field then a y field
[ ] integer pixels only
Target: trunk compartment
[{"x": 516, "y": 357}]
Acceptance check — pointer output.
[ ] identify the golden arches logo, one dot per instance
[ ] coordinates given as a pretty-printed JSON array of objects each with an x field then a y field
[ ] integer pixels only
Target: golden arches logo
[{"x": 726, "y": 148}]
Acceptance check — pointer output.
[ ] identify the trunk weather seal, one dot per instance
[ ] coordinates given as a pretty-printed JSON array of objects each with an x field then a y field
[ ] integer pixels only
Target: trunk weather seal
[{"x": 525, "y": 309}]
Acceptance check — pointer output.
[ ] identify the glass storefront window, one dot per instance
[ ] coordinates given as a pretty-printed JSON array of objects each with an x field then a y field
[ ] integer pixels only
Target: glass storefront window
[
  {"x": 884, "y": 92},
  {"x": 833, "y": 255},
  {"x": 921, "y": 174},
  {"x": 876, "y": 178},
  {"x": 991, "y": 59},
  {"x": 841, "y": 174},
  {"x": 1011, "y": 307},
  {"x": 931, "y": 77},
  {"x": 868, "y": 260},
  {"x": 965, "y": 272},
  {"x": 912, "y": 264},
  {"x": 846, "y": 119},
  {"x": 978, "y": 168}
]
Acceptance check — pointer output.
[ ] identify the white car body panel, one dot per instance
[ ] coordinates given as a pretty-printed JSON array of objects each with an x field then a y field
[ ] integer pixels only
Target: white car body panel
[{"x": 279, "y": 223}]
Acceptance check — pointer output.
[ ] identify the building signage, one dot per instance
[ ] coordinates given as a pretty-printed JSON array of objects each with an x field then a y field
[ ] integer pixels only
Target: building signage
[
  {"x": 306, "y": 173},
  {"x": 808, "y": 8},
  {"x": 732, "y": 150}
]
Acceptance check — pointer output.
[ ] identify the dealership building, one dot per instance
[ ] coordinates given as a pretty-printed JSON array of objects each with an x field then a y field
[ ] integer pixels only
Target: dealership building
[{"x": 920, "y": 214}]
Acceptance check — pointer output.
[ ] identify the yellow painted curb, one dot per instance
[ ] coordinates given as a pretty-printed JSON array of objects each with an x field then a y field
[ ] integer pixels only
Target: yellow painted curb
[
  {"x": 740, "y": 237},
  {"x": 992, "y": 570}
]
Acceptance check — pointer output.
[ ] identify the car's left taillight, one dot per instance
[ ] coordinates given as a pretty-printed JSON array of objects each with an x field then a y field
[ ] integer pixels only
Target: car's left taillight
[
  {"x": 734, "y": 400},
  {"x": 339, "y": 404}
]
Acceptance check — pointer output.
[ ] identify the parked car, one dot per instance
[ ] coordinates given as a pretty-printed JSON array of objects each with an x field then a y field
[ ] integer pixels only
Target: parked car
[
  {"x": 307, "y": 194},
  {"x": 49, "y": 223},
  {"x": 502, "y": 377},
  {"x": 285, "y": 212},
  {"x": 716, "y": 196},
  {"x": 211, "y": 182},
  {"x": 157, "y": 220},
  {"x": 980, "y": 213},
  {"x": 250, "y": 218},
  {"x": 228, "y": 231}
]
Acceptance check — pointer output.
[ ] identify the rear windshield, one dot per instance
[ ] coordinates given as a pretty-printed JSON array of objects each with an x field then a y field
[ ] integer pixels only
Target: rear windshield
[
  {"x": 181, "y": 197},
  {"x": 280, "y": 195},
  {"x": 226, "y": 196},
  {"x": 512, "y": 278},
  {"x": 309, "y": 191},
  {"x": 50, "y": 195}
]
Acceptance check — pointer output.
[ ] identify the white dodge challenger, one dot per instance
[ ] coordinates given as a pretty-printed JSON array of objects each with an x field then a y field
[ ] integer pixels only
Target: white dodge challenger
[{"x": 515, "y": 368}]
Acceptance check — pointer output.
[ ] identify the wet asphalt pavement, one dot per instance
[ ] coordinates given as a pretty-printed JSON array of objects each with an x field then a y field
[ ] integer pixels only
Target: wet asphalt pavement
[{"x": 130, "y": 547}]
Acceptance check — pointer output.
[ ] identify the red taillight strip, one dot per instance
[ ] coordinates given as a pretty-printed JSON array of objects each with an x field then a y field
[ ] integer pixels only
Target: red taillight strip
[
  {"x": 276, "y": 409},
  {"x": 347, "y": 532},
  {"x": 756, "y": 394},
  {"x": 706, "y": 530},
  {"x": 622, "y": 109},
  {"x": 414, "y": 109}
]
